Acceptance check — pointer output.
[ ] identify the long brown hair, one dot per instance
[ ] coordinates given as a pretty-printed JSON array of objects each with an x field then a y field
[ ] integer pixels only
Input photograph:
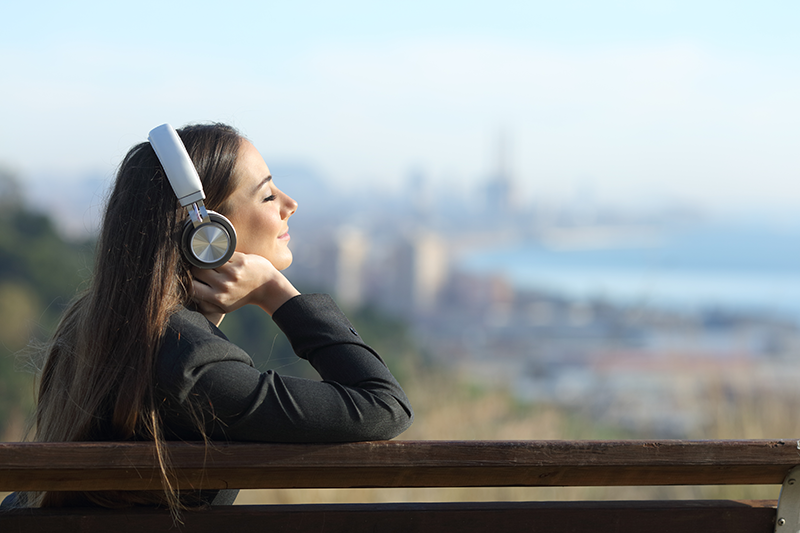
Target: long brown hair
[{"x": 97, "y": 382}]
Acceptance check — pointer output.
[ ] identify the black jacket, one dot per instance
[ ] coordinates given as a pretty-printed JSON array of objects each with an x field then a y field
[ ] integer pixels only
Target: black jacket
[{"x": 202, "y": 378}]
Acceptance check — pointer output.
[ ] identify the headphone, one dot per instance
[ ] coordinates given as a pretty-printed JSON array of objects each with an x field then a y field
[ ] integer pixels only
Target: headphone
[{"x": 208, "y": 239}]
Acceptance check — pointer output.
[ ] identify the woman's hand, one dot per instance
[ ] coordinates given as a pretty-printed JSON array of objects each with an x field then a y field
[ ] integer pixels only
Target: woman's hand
[{"x": 245, "y": 279}]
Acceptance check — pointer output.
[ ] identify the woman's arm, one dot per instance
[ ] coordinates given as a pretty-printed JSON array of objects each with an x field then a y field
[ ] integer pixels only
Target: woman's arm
[
  {"x": 208, "y": 382},
  {"x": 207, "y": 376}
]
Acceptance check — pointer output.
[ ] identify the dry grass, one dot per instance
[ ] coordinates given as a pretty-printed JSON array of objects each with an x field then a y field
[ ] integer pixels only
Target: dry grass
[{"x": 453, "y": 411}]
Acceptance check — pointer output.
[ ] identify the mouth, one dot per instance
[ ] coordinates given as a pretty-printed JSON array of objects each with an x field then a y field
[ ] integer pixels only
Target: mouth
[{"x": 284, "y": 236}]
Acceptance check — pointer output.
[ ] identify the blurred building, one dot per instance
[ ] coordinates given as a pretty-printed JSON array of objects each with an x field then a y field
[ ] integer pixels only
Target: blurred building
[
  {"x": 500, "y": 188},
  {"x": 404, "y": 274},
  {"x": 351, "y": 255},
  {"x": 412, "y": 274}
]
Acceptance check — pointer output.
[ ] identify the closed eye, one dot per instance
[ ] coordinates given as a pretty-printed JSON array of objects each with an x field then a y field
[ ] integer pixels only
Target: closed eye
[{"x": 270, "y": 198}]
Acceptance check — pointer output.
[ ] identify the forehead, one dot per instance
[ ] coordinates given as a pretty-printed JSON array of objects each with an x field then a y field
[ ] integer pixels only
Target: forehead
[
  {"x": 250, "y": 165},
  {"x": 251, "y": 172}
]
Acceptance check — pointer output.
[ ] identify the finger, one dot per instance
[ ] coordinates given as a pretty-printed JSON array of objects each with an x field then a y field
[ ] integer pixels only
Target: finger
[
  {"x": 196, "y": 294},
  {"x": 205, "y": 298},
  {"x": 202, "y": 290},
  {"x": 200, "y": 281},
  {"x": 201, "y": 274}
]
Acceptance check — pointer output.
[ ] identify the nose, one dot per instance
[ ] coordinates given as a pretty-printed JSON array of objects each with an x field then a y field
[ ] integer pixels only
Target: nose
[{"x": 288, "y": 207}]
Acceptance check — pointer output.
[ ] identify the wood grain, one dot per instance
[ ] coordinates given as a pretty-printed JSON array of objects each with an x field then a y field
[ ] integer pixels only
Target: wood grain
[{"x": 132, "y": 466}]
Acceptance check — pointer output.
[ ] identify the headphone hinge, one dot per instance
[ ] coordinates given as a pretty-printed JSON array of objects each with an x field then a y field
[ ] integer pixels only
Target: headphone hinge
[{"x": 197, "y": 213}]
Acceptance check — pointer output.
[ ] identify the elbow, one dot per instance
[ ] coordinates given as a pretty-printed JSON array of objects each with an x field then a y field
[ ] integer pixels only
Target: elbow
[{"x": 400, "y": 420}]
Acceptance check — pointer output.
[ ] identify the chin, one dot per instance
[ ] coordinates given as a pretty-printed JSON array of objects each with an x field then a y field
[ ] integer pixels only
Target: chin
[{"x": 284, "y": 264}]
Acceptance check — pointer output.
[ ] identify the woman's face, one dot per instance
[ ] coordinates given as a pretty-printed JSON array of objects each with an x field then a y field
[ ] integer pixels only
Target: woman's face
[{"x": 259, "y": 210}]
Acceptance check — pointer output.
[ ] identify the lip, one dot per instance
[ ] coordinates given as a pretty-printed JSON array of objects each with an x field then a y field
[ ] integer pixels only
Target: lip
[{"x": 284, "y": 236}]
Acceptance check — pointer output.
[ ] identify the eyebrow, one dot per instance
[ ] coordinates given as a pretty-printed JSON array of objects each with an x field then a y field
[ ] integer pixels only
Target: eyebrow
[{"x": 262, "y": 183}]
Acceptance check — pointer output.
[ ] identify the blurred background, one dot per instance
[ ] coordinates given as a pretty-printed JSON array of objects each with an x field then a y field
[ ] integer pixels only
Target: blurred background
[{"x": 555, "y": 219}]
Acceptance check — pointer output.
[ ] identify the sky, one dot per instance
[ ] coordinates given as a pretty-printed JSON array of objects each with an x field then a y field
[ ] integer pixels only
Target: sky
[{"x": 635, "y": 102}]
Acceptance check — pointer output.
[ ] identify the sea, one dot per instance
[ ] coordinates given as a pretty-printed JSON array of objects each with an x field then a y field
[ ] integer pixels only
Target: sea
[{"x": 739, "y": 266}]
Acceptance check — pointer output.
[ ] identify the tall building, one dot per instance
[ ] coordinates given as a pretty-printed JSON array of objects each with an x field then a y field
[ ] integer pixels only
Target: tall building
[
  {"x": 414, "y": 274},
  {"x": 500, "y": 188},
  {"x": 351, "y": 256}
]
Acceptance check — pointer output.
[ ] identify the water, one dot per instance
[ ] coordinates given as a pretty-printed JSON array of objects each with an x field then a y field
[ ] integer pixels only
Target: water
[{"x": 737, "y": 267}]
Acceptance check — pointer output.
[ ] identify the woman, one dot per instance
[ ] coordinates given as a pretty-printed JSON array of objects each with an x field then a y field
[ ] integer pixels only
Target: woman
[{"x": 139, "y": 357}]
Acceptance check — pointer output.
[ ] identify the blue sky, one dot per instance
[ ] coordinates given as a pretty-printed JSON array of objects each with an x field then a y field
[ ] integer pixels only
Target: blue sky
[{"x": 634, "y": 101}]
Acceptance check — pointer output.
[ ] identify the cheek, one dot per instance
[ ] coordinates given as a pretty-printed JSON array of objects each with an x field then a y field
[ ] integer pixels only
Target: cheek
[{"x": 256, "y": 230}]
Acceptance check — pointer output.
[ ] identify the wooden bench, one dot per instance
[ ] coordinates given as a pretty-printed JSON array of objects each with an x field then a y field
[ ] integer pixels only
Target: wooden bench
[{"x": 131, "y": 466}]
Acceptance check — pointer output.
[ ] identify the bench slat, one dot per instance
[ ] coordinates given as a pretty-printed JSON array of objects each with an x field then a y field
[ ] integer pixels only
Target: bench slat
[
  {"x": 722, "y": 516},
  {"x": 131, "y": 466}
]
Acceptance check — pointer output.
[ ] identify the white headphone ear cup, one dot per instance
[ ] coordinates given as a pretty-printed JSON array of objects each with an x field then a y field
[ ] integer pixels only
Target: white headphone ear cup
[{"x": 211, "y": 244}]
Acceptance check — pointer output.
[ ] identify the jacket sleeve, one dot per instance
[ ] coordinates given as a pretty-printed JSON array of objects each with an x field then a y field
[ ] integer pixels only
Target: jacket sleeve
[{"x": 209, "y": 382}]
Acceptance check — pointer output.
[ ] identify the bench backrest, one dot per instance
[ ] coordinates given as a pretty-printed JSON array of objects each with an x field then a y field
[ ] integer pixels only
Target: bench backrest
[{"x": 132, "y": 466}]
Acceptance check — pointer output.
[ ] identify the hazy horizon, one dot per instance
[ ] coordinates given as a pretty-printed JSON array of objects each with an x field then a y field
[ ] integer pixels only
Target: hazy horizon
[{"x": 628, "y": 102}]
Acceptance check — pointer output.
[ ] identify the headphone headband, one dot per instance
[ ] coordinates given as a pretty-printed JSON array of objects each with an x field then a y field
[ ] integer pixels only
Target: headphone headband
[
  {"x": 176, "y": 162},
  {"x": 208, "y": 239}
]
